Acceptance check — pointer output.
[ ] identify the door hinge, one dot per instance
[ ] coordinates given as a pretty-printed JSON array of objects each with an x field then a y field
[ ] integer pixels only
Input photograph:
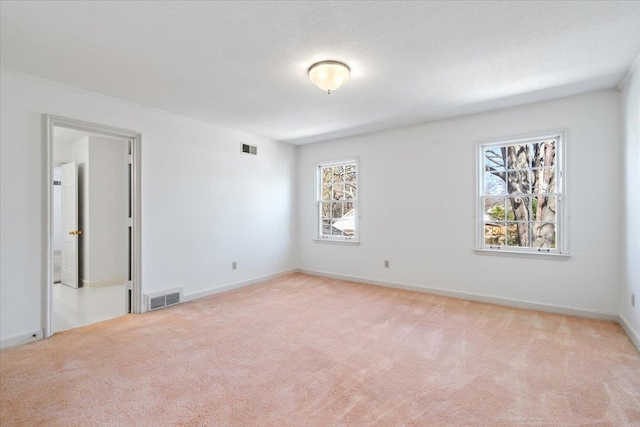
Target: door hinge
[
  {"x": 130, "y": 159},
  {"x": 130, "y": 222}
]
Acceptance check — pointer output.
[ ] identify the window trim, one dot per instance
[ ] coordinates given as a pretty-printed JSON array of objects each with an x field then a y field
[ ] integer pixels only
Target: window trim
[
  {"x": 318, "y": 236},
  {"x": 562, "y": 246}
]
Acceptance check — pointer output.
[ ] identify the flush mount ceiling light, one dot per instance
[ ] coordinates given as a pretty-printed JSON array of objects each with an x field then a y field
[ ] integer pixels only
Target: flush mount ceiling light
[{"x": 329, "y": 75}]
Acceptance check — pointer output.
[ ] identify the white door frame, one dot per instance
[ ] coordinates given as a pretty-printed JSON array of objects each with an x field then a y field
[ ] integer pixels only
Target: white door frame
[{"x": 136, "y": 214}]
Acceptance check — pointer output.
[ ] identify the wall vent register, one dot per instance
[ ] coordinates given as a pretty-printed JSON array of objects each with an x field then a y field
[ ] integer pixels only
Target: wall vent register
[
  {"x": 249, "y": 149},
  {"x": 164, "y": 299}
]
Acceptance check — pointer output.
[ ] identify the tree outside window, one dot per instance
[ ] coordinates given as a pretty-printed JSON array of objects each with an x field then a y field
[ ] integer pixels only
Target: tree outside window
[{"x": 521, "y": 194}]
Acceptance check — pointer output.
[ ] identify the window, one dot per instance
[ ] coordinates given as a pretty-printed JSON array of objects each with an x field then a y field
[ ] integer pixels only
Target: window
[
  {"x": 337, "y": 200},
  {"x": 521, "y": 194}
]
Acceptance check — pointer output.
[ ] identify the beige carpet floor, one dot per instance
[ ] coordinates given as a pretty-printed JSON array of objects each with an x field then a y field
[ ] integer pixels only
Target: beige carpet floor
[{"x": 308, "y": 351}]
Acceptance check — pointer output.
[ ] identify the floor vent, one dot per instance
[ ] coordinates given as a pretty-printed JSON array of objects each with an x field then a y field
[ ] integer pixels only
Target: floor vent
[
  {"x": 249, "y": 149},
  {"x": 163, "y": 299}
]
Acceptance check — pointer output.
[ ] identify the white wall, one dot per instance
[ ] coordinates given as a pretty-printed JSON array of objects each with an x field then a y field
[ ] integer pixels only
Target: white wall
[
  {"x": 204, "y": 203},
  {"x": 631, "y": 284},
  {"x": 62, "y": 153},
  {"x": 416, "y": 192},
  {"x": 105, "y": 206}
]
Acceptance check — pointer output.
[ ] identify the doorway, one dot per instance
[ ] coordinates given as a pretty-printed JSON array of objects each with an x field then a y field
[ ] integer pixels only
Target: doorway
[{"x": 93, "y": 239}]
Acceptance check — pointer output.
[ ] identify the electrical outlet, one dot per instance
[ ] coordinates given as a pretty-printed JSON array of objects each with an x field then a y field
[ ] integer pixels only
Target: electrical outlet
[
  {"x": 386, "y": 263},
  {"x": 234, "y": 265},
  {"x": 633, "y": 300}
]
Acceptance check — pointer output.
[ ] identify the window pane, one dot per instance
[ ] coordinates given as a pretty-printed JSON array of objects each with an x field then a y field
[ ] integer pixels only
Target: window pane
[
  {"x": 544, "y": 180},
  {"x": 494, "y": 159},
  {"x": 518, "y": 182},
  {"x": 544, "y": 208},
  {"x": 326, "y": 210},
  {"x": 494, "y": 234},
  {"x": 338, "y": 174},
  {"x": 519, "y": 156},
  {"x": 494, "y": 183},
  {"x": 519, "y": 208},
  {"x": 350, "y": 191},
  {"x": 326, "y": 227},
  {"x": 518, "y": 234},
  {"x": 544, "y": 154},
  {"x": 346, "y": 223},
  {"x": 494, "y": 208},
  {"x": 544, "y": 235},
  {"x": 348, "y": 207},
  {"x": 337, "y": 210},
  {"x": 326, "y": 192},
  {"x": 338, "y": 191},
  {"x": 350, "y": 173},
  {"x": 326, "y": 175}
]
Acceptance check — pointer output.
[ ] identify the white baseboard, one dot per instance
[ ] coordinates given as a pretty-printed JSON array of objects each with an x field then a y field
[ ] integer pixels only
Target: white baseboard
[
  {"x": 633, "y": 334},
  {"x": 21, "y": 339},
  {"x": 509, "y": 302},
  {"x": 237, "y": 285},
  {"x": 92, "y": 284}
]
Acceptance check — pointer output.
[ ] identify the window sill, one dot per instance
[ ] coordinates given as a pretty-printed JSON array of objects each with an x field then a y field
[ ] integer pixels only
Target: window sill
[
  {"x": 339, "y": 242},
  {"x": 518, "y": 254}
]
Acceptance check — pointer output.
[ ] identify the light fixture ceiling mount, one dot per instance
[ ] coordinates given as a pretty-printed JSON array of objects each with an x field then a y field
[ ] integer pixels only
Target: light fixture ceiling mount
[{"x": 329, "y": 75}]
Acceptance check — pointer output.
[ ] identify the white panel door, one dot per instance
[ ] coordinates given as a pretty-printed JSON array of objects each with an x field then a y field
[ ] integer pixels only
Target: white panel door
[{"x": 70, "y": 232}]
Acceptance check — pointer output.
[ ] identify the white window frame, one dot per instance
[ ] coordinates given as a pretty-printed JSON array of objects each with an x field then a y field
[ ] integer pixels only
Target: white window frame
[
  {"x": 318, "y": 236},
  {"x": 562, "y": 248}
]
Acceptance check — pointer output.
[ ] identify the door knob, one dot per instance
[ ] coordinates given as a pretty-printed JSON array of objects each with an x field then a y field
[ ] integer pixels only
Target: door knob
[
  {"x": 72, "y": 233},
  {"x": 75, "y": 232},
  {"x": 78, "y": 232}
]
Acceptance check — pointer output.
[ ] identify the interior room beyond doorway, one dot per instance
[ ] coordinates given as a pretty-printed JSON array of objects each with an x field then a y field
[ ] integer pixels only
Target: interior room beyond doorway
[{"x": 90, "y": 239}]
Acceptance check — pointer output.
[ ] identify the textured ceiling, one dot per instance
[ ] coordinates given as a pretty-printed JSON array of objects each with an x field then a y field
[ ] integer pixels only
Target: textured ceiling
[{"x": 243, "y": 64}]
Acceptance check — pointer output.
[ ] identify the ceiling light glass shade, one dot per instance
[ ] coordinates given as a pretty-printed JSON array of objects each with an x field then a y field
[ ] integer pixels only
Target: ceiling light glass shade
[{"x": 329, "y": 75}]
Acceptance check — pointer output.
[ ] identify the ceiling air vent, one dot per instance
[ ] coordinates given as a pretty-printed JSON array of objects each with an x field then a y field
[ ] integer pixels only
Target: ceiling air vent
[
  {"x": 164, "y": 299},
  {"x": 249, "y": 149}
]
